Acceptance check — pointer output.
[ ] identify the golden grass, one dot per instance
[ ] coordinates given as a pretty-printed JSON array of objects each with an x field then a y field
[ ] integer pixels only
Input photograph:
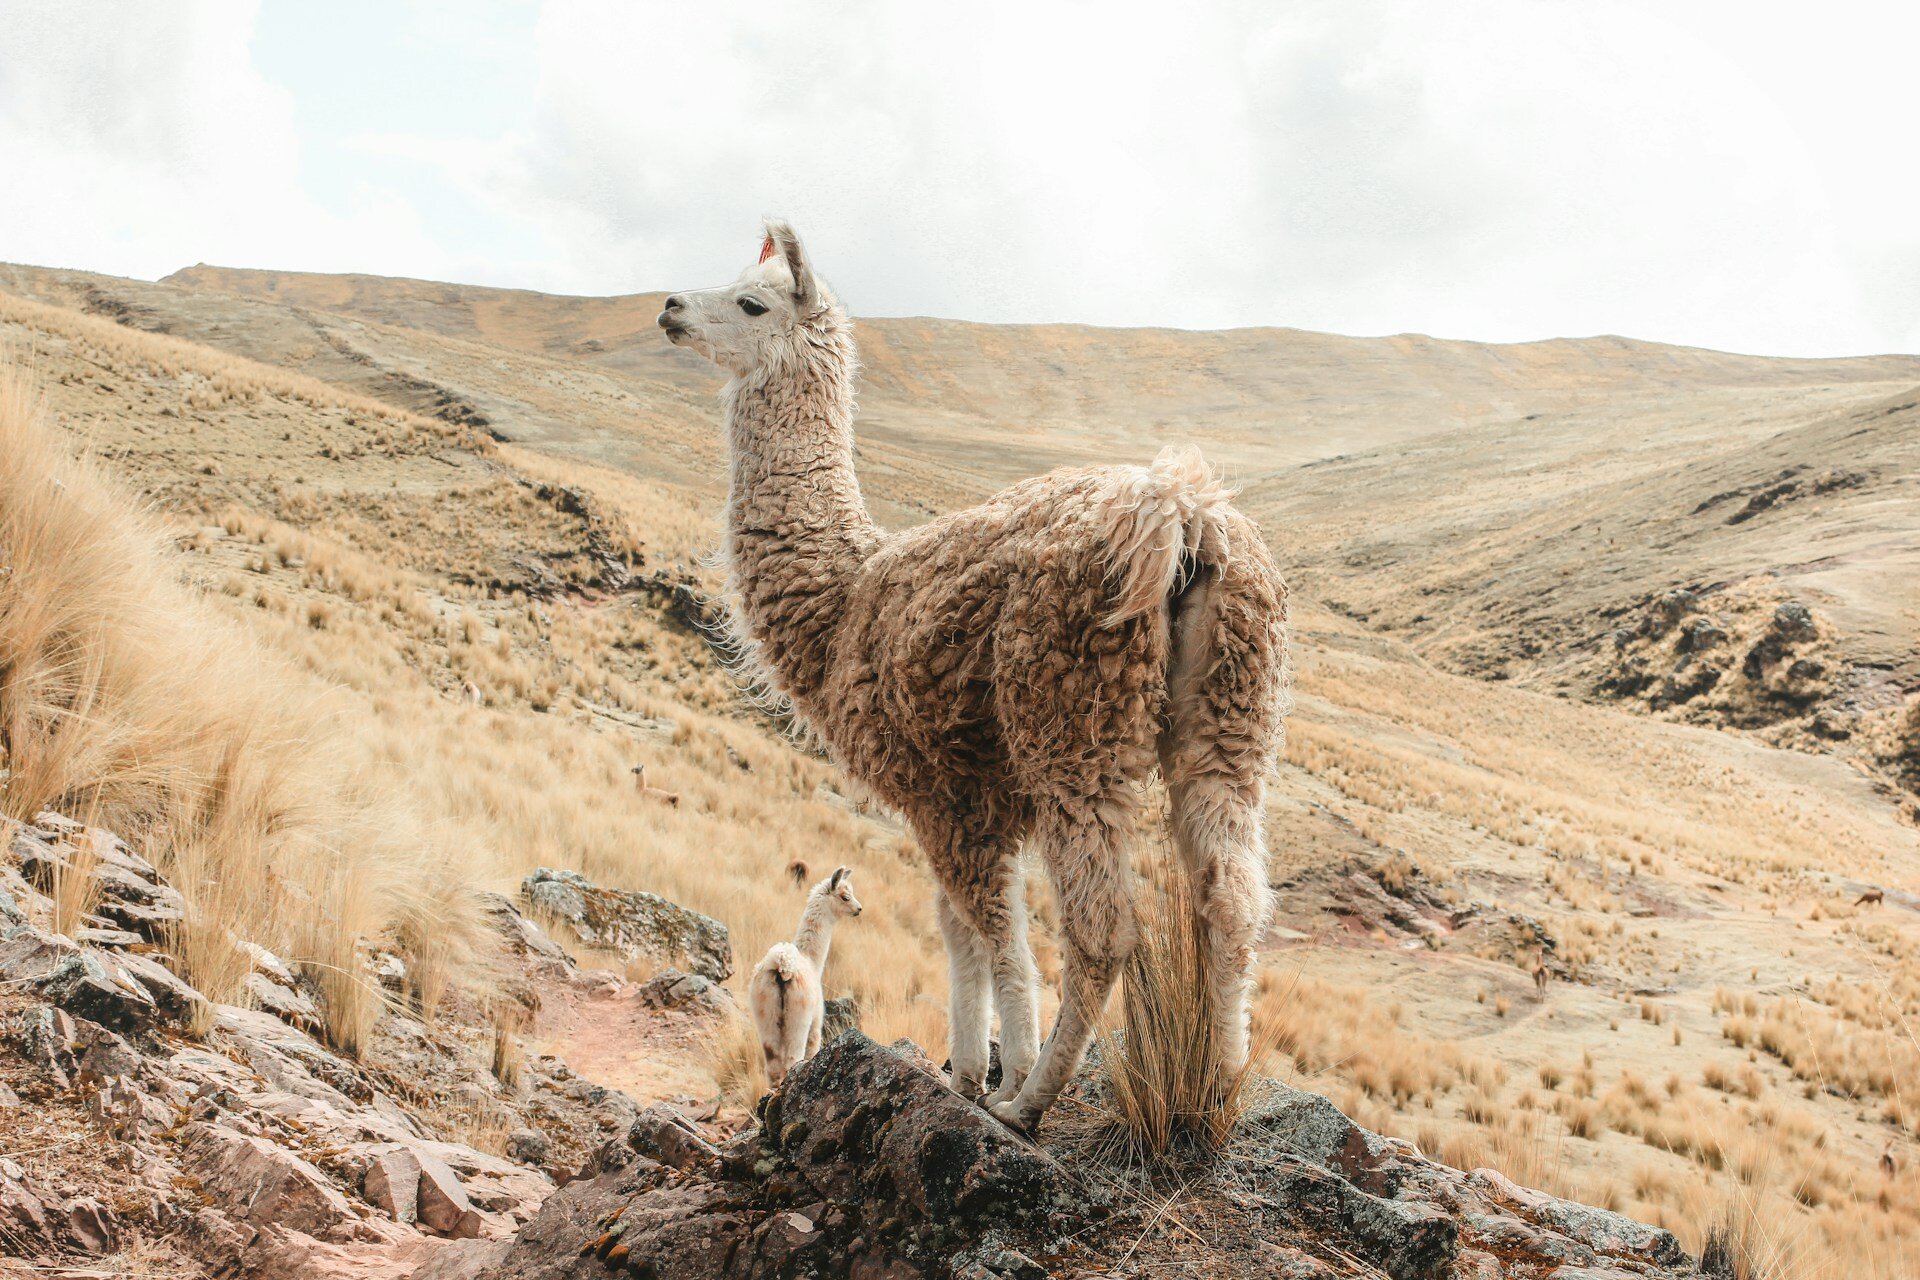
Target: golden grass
[
  {"x": 120, "y": 695},
  {"x": 1161, "y": 1066}
]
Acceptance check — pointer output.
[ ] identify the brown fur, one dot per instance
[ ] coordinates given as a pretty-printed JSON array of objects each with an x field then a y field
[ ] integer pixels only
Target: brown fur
[
  {"x": 1871, "y": 898},
  {"x": 1008, "y": 673}
]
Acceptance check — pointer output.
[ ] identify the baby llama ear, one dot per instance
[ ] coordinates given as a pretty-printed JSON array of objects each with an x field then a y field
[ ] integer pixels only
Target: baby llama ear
[
  {"x": 840, "y": 875},
  {"x": 781, "y": 238}
]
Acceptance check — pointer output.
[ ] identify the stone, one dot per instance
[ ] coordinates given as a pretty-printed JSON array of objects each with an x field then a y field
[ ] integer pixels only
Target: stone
[
  {"x": 1700, "y": 634},
  {"x": 841, "y": 1015},
  {"x": 176, "y": 1001},
  {"x": 663, "y": 1134},
  {"x": 672, "y": 989},
  {"x": 259, "y": 1183},
  {"x": 631, "y": 922},
  {"x": 443, "y": 1204},
  {"x": 528, "y": 1146},
  {"x": 90, "y": 1226},
  {"x": 45, "y": 1037},
  {"x": 521, "y": 936},
  {"x": 22, "y": 1211},
  {"x": 287, "y": 1003},
  {"x": 391, "y": 1183}
]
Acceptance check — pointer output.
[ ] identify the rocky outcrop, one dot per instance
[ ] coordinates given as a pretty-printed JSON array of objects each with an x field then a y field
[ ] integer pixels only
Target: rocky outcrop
[
  {"x": 865, "y": 1165},
  {"x": 631, "y": 922},
  {"x": 258, "y": 1149}
]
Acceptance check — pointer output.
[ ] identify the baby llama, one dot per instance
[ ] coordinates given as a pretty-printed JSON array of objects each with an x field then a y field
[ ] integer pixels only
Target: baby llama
[{"x": 787, "y": 994}]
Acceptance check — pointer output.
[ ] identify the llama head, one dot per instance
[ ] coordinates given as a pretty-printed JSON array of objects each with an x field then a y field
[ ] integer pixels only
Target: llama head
[
  {"x": 838, "y": 889},
  {"x": 762, "y": 319}
]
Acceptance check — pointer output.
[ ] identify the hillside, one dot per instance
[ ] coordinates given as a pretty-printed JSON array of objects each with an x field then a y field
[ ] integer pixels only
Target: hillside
[{"x": 475, "y": 516}]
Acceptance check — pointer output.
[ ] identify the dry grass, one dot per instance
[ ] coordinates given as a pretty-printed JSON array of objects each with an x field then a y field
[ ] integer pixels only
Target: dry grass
[
  {"x": 737, "y": 1063},
  {"x": 121, "y": 696},
  {"x": 1161, "y": 1066}
]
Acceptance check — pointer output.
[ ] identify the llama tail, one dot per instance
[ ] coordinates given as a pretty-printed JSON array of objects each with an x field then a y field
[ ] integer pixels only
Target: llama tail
[{"x": 1168, "y": 524}]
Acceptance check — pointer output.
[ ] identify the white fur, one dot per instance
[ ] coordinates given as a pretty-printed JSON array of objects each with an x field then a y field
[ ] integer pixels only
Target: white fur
[{"x": 787, "y": 993}]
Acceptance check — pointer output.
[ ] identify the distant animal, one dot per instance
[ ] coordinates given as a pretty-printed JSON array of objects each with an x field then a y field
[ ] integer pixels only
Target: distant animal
[
  {"x": 1871, "y": 898},
  {"x": 787, "y": 994},
  {"x": 1006, "y": 674},
  {"x": 472, "y": 692},
  {"x": 668, "y": 798},
  {"x": 1540, "y": 976},
  {"x": 1888, "y": 1164},
  {"x": 797, "y": 872}
]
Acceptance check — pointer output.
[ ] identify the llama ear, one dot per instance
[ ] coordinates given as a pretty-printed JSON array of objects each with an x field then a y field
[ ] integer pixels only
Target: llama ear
[
  {"x": 839, "y": 875},
  {"x": 806, "y": 289}
]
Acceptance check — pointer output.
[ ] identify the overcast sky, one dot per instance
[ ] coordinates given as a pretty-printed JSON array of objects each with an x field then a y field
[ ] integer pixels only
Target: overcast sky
[{"x": 1732, "y": 175}]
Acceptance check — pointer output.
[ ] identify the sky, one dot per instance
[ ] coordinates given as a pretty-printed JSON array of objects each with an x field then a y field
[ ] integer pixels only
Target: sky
[{"x": 1730, "y": 175}]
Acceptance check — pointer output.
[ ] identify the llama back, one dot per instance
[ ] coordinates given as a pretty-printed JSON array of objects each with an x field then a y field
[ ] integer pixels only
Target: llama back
[{"x": 1163, "y": 521}]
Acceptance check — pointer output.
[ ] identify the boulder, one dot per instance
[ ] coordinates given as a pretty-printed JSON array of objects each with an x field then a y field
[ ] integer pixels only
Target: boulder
[
  {"x": 841, "y": 1015},
  {"x": 672, "y": 989},
  {"x": 443, "y": 1204},
  {"x": 391, "y": 1183},
  {"x": 88, "y": 984},
  {"x": 631, "y": 922},
  {"x": 259, "y": 1183}
]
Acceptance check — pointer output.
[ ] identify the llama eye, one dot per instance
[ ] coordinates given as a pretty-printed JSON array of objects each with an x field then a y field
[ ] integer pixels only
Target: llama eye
[{"x": 753, "y": 306}]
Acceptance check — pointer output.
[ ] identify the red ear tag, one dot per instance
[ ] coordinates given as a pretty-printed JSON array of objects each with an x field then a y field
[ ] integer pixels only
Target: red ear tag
[{"x": 766, "y": 249}]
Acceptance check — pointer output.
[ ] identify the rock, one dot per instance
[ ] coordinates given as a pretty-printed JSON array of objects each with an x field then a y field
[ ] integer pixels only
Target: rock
[
  {"x": 663, "y": 1134},
  {"x": 22, "y": 1212},
  {"x": 259, "y": 1183},
  {"x": 91, "y": 1227},
  {"x": 1700, "y": 634},
  {"x": 842, "y": 1014},
  {"x": 1665, "y": 611},
  {"x": 133, "y": 895},
  {"x": 528, "y": 1146},
  {"x": 1599, "y": 1229},
  {"x": 670, "y": 989},
  {"x": 45, "y": 1038},
  {"x": 289, "y": 1004},
  {"x": 631, "y": 922},
  {"x": 391, "y": 1183},
  {"x": 176, "y": 1001},
  {"x": 521, "y": 936},
  {"x": 88, "y": 984},
  {"x": 1793, "y": 622},
  {"x": 1284, "y": 1121},
  {"x": 443, "y": 1204},
  {"x": 1407, "y": 1240}
]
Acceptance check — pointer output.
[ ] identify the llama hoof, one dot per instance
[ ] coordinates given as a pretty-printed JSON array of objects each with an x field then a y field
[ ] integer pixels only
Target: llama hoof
[
  {"x": 1009, "y": 1114},
  {"x": 971, "y": 1090},
  {"x": 1005, "y": 1093}
]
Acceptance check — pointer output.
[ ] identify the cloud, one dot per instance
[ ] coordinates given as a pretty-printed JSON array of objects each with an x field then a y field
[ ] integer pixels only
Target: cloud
[
  {"x": 1496, "y": 169},
  {"x": 138, "y": 138}
]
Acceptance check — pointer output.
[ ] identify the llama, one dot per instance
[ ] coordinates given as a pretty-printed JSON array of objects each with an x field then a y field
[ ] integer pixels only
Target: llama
[
  {"x": 1871, "y": 898},
  {"x": 797, "y": 872},
  {"x": 787, "y": 992},
  {"x": 1006, "y": 674},
  {"x": 669, "y": 798}
]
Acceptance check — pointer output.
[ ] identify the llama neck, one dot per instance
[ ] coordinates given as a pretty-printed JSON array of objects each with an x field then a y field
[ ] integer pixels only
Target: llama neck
[
  {"x": 815, "y": 934},
  {"x": 798, "y": 528}
]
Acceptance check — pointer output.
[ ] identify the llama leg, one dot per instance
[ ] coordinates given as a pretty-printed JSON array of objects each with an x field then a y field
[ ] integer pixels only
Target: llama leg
[
  {"x": 816, "y": 1023},
  {"x": 1015, "y": 985},
  {"x": 968, "y": 1006},
  {"x": 776, "y": 1065},
  {"x": 1217, "y": 830},
  {"x": 1087, "y": 858}
]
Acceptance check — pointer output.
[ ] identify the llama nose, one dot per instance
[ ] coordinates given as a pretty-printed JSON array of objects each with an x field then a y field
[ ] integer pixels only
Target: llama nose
[{"x": 674, "y": 302}]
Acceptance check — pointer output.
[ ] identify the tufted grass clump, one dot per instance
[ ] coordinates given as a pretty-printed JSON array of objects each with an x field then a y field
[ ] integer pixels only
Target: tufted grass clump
[{"x": 1160, "y": 1066}]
